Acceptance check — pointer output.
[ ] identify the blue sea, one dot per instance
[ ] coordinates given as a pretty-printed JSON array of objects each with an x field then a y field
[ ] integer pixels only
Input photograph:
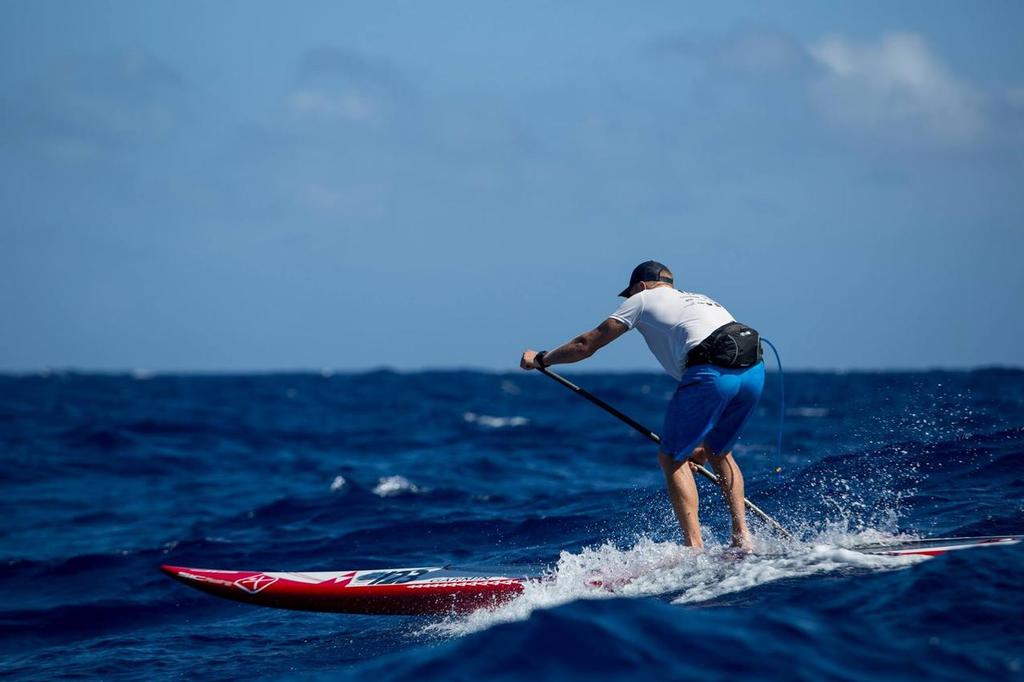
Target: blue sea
[{"x": 105, "y": 477}]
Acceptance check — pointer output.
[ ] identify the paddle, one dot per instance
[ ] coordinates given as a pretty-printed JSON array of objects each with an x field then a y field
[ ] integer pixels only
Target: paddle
[{"x": 657, "y": 439}]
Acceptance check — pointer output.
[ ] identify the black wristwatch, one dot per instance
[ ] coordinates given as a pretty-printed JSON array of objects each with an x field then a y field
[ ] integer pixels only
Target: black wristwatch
[{"x": 538, "y": 359}]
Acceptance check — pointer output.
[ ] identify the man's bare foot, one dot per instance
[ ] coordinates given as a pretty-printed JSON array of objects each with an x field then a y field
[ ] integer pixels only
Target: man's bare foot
[{"x": 736, "y": 554}]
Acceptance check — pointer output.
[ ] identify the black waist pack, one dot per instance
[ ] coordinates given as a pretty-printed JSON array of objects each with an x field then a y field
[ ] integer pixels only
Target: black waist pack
[{"x": 731, "y": 346}]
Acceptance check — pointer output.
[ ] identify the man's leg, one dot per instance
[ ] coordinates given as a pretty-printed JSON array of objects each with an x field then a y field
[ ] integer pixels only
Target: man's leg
[
  {"x": 730, "y": 479},
  {"x": 682, "y": 492}
]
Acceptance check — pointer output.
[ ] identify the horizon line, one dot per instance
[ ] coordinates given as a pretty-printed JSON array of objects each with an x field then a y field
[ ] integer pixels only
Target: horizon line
[{"x": 145, "y": 373}]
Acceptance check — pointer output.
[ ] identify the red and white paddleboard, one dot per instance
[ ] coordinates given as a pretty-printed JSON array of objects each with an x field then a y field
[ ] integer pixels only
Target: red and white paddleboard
[
  {"x": 396, "y": 591},
  {"x": 937, "y": 546},
  {"x": 432, "y": 590}
]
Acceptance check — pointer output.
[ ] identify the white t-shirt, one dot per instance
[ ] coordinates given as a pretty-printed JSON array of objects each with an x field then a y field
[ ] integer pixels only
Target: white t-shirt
[{"x": 672, "y": 322}]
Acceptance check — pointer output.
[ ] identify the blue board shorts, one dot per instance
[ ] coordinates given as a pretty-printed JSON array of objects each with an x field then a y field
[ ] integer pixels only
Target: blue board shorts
[{"x": 710, "y": 406}]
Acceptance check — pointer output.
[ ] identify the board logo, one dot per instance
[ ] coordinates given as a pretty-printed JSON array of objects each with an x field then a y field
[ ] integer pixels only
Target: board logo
[
  {"x": 255, "y": 583},
  {"x": 390, "y": 577},
  {"x": 343, "y": 580}
]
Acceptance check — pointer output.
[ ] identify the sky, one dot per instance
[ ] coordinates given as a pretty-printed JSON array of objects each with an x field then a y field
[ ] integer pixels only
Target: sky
[{"x": 263, "y": 186}]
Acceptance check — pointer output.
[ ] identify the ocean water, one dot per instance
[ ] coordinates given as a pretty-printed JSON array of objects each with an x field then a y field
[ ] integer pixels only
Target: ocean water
[{"x": 105, "y": 477}]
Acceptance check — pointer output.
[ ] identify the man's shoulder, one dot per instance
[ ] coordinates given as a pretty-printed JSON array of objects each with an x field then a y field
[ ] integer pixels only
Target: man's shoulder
[
  {"x": 692, "y": 301},
  {"x": 660, "y": 291},
  {"x": 694, "y": 296},
  {"x": 670, "y": 296}
]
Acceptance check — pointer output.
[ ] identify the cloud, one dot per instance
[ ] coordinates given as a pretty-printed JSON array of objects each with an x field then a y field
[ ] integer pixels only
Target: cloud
[
  {"x": 80, "y": 107},
  {"x": 335, "y": 85},
  {"x": 351, "y": 129},
  {"x": 761, "y": 52},
  {"x": 354, "y": 106},
  {"x": 892, "y": 89},
  {"x": 895, "y": 88},
  {"x": 359, "y": 132},
  {"x": 749, "y": 51},
  {"x": 1015, "y": 97}
]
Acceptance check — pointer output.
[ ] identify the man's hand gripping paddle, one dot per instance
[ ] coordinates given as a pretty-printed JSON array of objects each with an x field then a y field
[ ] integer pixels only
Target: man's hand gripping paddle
[{"x": 772, "y": 523}]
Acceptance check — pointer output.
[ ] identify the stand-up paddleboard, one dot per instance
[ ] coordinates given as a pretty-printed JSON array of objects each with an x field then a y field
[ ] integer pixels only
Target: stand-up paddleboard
[
  {"x": 395, "y": 591},
  {"x": 432, "y": 590},
  {"x": 936, "y": 546}
]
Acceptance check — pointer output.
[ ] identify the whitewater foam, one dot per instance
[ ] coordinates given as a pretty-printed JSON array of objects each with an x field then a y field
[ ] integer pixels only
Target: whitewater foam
[
  {"x": 388, "y": 486},
  {"x": 673, "y": 572},
  {"x": 494, "y": 422}
]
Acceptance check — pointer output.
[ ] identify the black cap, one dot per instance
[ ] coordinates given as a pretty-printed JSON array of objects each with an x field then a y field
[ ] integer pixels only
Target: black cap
[{"x": 648, "y": 271}]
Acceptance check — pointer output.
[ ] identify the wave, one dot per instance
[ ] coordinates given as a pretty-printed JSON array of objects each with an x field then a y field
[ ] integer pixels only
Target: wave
[
  {"x": 494, "y": 422},
  {"x": 870, "y": 618},
  {"x": 108, "y": 477},
  {"x": 389, "y": 486},
  {"x": 883, "y": 488},
  {"x": 651, "y": 568}
]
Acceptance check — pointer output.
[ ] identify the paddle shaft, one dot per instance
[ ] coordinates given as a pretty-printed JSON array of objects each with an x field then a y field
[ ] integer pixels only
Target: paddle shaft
[{"x": 583, "y": 393}]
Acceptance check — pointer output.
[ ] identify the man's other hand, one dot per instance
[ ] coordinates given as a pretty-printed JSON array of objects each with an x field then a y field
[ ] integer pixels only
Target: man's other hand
[{"x": 526, "y": 362}]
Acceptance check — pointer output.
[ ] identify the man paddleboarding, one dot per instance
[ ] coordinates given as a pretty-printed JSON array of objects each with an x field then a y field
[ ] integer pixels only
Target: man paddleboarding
[{"x": 717, "y": 362}]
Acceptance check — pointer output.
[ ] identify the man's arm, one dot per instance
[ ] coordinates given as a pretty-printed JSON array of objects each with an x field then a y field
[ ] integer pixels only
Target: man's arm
[{"x": 580, "y": 348}]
